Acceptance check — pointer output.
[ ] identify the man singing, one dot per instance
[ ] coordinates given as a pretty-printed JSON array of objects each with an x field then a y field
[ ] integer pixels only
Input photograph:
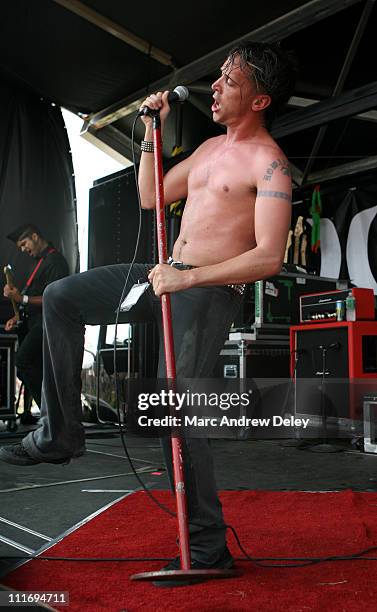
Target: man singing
[{"x": 234, "y": 231}]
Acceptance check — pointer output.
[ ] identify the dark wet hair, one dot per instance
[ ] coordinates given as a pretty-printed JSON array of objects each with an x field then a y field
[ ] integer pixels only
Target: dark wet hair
[
  {"x": 24, "y": 231},
  {"x": 271, "y": 68}
]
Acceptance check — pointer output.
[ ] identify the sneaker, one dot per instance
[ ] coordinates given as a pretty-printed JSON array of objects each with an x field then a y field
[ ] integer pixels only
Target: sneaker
[
  {"x": 17, "y": 455},
  {"x": 225, "y": 561}
]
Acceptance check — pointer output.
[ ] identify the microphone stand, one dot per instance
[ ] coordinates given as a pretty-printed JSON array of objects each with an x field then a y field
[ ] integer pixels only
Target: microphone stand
[
  {"x": 324, "y": 446},
  {"x": 185, "y": 573}
]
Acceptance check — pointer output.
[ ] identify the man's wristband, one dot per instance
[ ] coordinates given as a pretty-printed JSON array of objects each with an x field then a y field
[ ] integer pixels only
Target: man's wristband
[
  {"x": 25, "y": 299},
  {"x": 147, "y": 146}
]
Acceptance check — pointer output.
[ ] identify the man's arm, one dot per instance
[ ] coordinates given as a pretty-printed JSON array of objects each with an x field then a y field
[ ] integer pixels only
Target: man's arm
[
  {"x": 11, "y": 324},
  {"x": 272, "y": 221},
  {"x": 175, "y": 181},
  {"x": 54, "y": 272},
  {"x": 14, "y": 293}
]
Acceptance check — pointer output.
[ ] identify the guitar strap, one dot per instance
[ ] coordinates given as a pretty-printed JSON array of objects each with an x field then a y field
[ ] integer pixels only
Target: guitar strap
[{"x": 32, "y": 275}]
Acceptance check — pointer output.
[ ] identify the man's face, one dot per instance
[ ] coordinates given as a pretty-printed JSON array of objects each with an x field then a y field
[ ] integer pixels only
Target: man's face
[
  {"x": 30, "y": 245},
  {"x": 233, "y": 94}
]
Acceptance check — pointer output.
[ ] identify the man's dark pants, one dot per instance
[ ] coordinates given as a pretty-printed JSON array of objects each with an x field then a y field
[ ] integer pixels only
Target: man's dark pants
[
  {"x": 29, "y": 358},
  {"x": 201, "y": 320}
]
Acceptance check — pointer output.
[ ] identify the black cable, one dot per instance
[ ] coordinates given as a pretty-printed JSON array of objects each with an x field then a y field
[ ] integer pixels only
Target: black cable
[
  {"x": 306, "y": 560},
  {"x": 258, "y": 561},
  {"x": 120, "y": 426},
  {"x": 87, "y": 559}
]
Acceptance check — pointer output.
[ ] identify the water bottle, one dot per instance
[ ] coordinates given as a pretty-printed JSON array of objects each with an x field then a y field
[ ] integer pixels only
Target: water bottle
[{"x": 350, "y": 307}]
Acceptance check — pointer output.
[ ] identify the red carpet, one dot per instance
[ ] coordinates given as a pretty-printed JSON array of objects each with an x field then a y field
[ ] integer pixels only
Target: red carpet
[{"x": 270, "y": 524}]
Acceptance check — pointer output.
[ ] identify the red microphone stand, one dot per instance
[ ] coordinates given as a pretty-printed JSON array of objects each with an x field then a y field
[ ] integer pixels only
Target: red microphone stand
[{"x": 185, "y": 573}]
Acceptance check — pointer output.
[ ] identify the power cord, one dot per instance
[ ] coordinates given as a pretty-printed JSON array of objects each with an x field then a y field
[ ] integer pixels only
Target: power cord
[{"x": 258, "y": 561}]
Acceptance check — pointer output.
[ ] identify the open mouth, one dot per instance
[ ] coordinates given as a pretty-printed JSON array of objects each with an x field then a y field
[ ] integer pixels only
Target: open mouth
[{"x": 215, "y": 107}]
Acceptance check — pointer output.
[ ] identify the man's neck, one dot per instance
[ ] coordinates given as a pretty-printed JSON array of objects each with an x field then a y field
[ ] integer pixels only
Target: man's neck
[
  {"x": 42, "y": 247},
  {"x": 245, "y": 130}
]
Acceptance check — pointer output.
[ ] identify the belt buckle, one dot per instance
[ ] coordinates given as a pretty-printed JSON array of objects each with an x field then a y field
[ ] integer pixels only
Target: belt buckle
[
  {"x": 172, "y": 262},
  {"x": 239, "y": 289}
]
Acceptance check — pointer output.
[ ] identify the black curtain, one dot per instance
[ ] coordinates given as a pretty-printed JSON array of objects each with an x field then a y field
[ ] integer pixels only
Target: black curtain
[{"x": 36, "y": 180}]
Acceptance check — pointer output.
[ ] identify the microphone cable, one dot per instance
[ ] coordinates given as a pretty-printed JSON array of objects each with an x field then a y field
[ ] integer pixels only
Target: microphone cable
[{"x": 118, "y": 310}]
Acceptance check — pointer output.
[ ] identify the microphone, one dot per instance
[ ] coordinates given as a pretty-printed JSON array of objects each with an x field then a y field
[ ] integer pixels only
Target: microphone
[
  {"x": 328, "y": 347},
  {"x": 179, "y": 94}
]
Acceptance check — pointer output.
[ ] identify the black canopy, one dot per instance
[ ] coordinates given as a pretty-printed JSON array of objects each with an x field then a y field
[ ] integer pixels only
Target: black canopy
[{"x": 99, "y": 57}]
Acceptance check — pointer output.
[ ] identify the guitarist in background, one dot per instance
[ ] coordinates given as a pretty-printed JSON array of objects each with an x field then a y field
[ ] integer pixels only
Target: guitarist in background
[{"x": 49, "y": 266}]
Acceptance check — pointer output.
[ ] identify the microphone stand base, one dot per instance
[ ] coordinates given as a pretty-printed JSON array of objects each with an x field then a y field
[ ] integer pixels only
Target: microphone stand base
[{"x": 186, "y": 576}]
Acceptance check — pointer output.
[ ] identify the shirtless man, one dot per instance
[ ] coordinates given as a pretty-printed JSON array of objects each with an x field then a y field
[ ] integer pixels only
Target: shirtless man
[
  {"x": 233, "y": 231},
  {"x": 235, "y": 184}
]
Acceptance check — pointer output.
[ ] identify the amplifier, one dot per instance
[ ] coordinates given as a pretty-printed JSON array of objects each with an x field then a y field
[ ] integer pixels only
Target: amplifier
[
  {"x": 277, "y": 298},
  {"x": 246, "y": 356},
  {"x": 322, "y": 307},
  {"x": 337, "y": 359},
  {"x": 8, "y": 344}
]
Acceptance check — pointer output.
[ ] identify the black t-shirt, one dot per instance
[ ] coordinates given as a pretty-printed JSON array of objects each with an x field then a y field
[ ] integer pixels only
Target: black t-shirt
[{"x": 52, "y": 267}]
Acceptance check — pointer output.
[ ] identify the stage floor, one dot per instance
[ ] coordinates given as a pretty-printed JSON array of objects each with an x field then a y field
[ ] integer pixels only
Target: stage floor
[{"x": 40, "y": 504}]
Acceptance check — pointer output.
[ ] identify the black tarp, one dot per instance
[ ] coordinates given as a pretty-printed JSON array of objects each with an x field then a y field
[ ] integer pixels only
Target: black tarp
[
  {"x": 36, "y": 179},
  {"x": 69, "y": 60},
  {"x": 55, "y": 50}
]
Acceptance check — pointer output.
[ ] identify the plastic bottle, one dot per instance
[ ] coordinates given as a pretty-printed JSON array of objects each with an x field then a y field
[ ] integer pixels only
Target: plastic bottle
[{"x": 350, "y": 307}]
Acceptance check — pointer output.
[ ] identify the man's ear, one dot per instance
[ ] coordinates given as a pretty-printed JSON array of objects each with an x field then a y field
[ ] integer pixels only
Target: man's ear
[
  {"x": 34, "y": 237},
  {"x": 260, "y": 102}
]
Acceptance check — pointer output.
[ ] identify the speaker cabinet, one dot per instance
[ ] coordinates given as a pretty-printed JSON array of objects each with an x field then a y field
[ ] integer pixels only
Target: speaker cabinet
[
  {"x": 114, "y": 222},
  {"x": 8, "y": 344},
  {"x": 333, "y": 365},
  {"x": 259, "y": 361}
]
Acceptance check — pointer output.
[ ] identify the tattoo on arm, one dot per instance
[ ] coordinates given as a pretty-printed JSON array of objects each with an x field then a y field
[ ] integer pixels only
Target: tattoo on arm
[
  {"x": 283, "y": 166},
  {"x": 274, "y": 194}
]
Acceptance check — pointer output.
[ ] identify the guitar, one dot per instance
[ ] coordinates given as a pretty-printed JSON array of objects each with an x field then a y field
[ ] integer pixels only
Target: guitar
[
  {"x": 304, "y": 245},
  {"x": 299, "y": 229},
  {"x": 10, "y": 282},
  {"x": 288, "y": 245}
]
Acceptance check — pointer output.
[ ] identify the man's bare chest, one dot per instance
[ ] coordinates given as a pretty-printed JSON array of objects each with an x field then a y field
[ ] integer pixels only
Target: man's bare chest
[{"x": 224, "y": 175}]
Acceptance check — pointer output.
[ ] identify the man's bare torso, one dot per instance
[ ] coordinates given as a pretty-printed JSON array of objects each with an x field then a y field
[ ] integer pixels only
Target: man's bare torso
[{"x": 218, "y": 220}]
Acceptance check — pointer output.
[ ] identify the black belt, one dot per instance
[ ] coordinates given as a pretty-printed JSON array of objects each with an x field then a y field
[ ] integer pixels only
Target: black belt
[{"x": 175, "y": 263}]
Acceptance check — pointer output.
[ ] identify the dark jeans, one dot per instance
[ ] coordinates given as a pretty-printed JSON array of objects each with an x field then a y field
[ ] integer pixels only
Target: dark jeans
[
  {"x": 201, "y": 320},
  {"x": 29, "y": 359}
]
